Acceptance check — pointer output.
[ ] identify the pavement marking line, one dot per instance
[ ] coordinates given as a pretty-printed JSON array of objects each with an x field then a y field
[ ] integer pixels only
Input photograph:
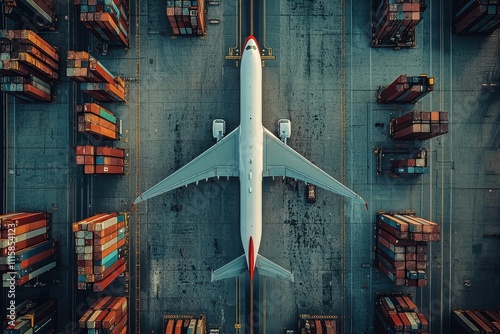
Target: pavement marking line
[{"x": 137, "y": 169}]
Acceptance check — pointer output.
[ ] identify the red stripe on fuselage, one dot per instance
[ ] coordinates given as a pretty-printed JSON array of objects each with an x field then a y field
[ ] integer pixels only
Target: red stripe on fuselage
[{"x": 251, "y": 257}]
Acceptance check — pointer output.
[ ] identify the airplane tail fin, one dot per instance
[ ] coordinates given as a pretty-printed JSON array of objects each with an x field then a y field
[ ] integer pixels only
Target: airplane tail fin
[
  {"x": 233, "y": 269},
  {"x": 264, "y": 267},
  {"x": 268, "y": 268}
]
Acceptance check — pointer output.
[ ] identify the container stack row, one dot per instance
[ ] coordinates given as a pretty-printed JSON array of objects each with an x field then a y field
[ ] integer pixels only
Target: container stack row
[
  {"x": 106, "y": 315},
  {"x": 401, "y": 247},
  {"x": 476, "y": 16},
  {"x": 29, "y": 65},
  {"x": 41, "y": 13},
  {"x": 186, "y": 17},
  {"x": 470, "y": 321},
  {"x": 34, "y": 317},
  {"x": 106, "y": 19},
  {"x": 416, "y": 165},
  {"x": 95, "y": 80},
  {"x": 396, "y": 313},
  {"x": 394, "y": 22},
  {"x": 317, "y": 324},
  {"x": 100, "y": 243},
  {"x": 96, "y": 120},
  {"x": 183, "y": 324},
  {"x": 100, "y": 160},
  {"x": 27, "y": 251},
  {"x": 406, "y": 89},
  {"x": 419, "y": 125}
]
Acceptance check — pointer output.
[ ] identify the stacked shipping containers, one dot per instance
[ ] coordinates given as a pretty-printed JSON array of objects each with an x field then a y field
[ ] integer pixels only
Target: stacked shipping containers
[
  {"x": 476, "y": 16},
  {"x": 401, "y": 247},
  {"x": 106, "y": 19},
  {"x": 100, "y": 160},
  {"x": 101, "y": 243},
  {"x": 174, "y": 324},
  {"x": 186, "y": 17},
  {"x": 399, "y": 160},
  {"x": 396, "y": 313},
  {"x": 470, "y": 321},
  {"x": 41, "y": 13},
  {"x": 106, "y": 315},
  {"x": 406, "y": 89},
  {"x": 394, "y": 22},
  {"x": 419, "y": 125},
  {"x": 97, "y": 120},
  {"x": 317, "y": 324},
  {"x": 416, "y": 165},
  {"x": 34, "y": 317},
  {"x": 94, "y": 78},
  {"x": 26, "y": 251},
  {"x": 29, "y": 65}
]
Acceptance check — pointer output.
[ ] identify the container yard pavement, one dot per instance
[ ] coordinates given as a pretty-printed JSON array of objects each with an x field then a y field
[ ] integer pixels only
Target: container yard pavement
[{"x": 323, "y": 74}]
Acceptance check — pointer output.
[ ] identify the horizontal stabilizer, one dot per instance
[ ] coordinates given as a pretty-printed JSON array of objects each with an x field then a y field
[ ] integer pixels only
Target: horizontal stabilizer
[
  {"x": 233, "y": 269},
  {"x": 268, "y": 268}
]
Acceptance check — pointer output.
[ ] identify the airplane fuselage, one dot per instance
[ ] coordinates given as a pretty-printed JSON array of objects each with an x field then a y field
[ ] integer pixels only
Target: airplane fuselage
[{"x": 251, "y": 151}]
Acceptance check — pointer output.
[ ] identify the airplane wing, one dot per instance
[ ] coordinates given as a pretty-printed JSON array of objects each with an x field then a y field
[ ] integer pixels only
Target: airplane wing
[
  {"x": 219, "y": 160},
  {"x": 282, "y": 160}
]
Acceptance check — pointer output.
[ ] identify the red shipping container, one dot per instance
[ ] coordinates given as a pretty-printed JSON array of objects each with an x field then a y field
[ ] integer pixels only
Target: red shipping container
[
  {"x": 23, "y": 218},
  {"x": 111, "y": 152},
  {"x": 89, "y": 160},
  {"x": 106, "y": 169}
]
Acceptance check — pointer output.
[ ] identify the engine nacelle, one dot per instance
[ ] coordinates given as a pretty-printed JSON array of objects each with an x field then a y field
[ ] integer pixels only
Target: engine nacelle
[
  {"x": 218, "y": 128},
  {"x": 284, "y": 129}
]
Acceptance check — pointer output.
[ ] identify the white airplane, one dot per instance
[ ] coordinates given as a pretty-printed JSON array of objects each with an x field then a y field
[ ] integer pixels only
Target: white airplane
[{"x": 250, "y": 152}]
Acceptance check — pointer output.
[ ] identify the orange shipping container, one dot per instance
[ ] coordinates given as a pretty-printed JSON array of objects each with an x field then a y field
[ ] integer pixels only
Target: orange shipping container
[
  {"x": 80, "y": 160},
  {"x": 85, "y": 150},
  {"x": 101, "y": 285},
  {"x": 22, "y": 219},
  {"x": 97, "y": 129},
  {"x": 89, "y": 169},
  {"x": 24, "y": 228},
  {"x": 91, "y": 118}
]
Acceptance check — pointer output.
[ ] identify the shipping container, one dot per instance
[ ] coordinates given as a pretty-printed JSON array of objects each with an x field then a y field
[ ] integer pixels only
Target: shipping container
[
  {"x": 95, "y": 80},
  {"x": 101, "y": 241},
  {"x": 105, "y": 315},
  {"x": 106, "y": 23},
  {"x": 39, "y": 13},
  {"x": 97, "y": 110},
  {"x": 35, "y": 316},
  {"x": 393, "y": 24},
  {"x": 476, "y": 16},
  {"x": 417, "y": 125},
  {"x": 186, "y": 17},
  {"x": 401, "y": 247},
  {"x": 317, "y": 322},
  {"x": 30, "y": 64},
  {"x": 390, "y": 160},
  {"x": 396, "y": 313},
  {"x": 106, "y": 160},
  {"x": 406, "y": 89}
]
